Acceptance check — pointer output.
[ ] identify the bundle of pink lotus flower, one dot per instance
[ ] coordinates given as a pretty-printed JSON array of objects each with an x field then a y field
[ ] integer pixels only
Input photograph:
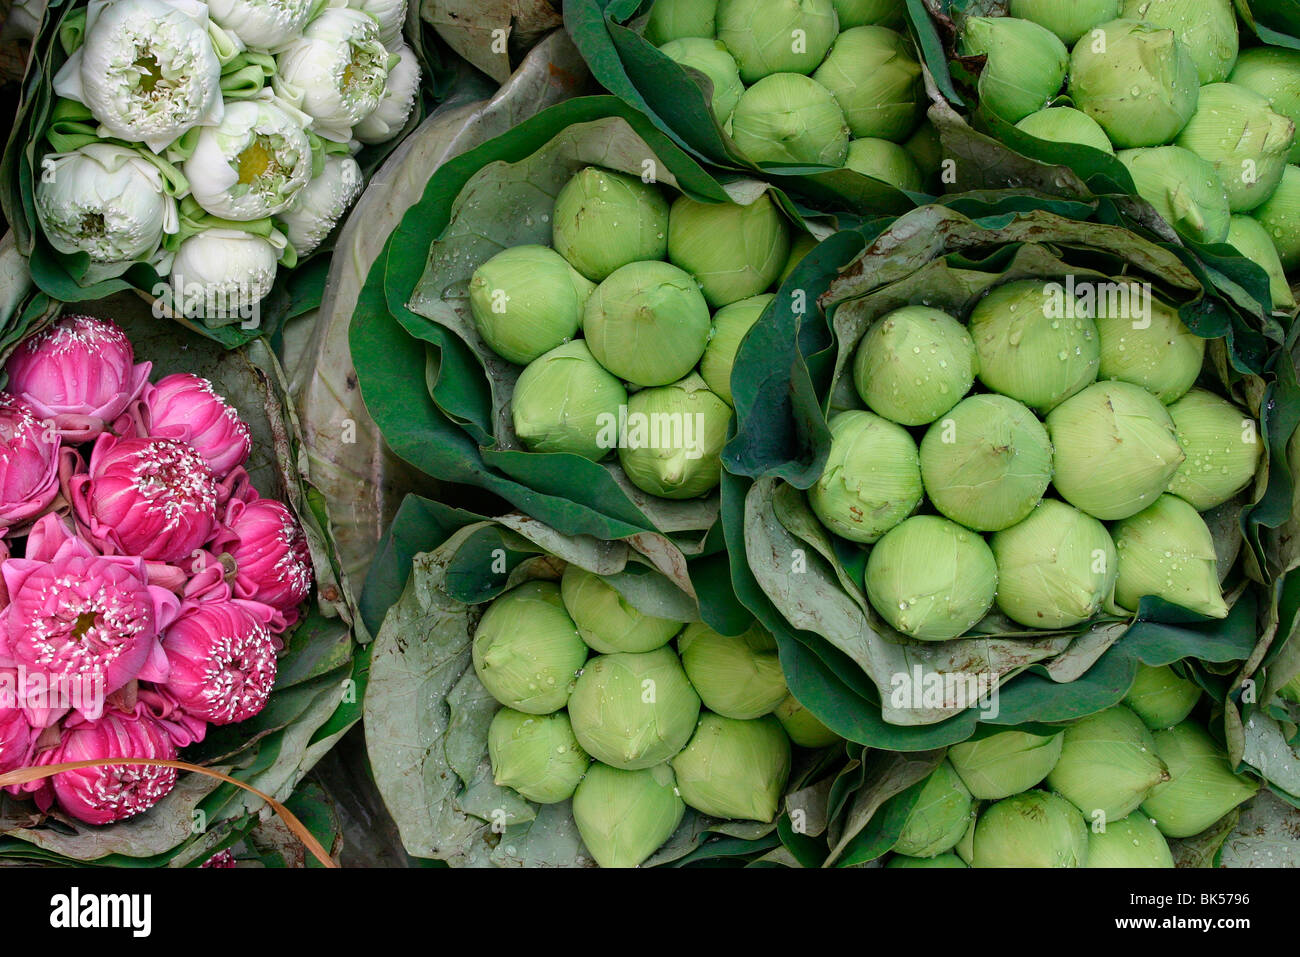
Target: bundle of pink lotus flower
[{"x": 145, "y": 585}]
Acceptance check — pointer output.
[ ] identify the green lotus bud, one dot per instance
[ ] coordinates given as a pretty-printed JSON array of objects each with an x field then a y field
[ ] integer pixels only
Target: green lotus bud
[
  {"x": 987, "y": 463},
  {"x": 1025, "y": 67},
  {"x": 776, "y": 36},
  {"x": 733, "y": 251},
  {"x": 1207, "y": 28},
  {"x": 1222, "y": 445},
  {"x": 1131, "y": 842},
  {"x": 1062, "y": 124},
  {"x": 623, "y": 816},
  {"x": 914, "y": 364},
  {"x": 1056, "y": 569},
  {"x": 1034, "y": 829},
  {"x": 1237, "y": 132},
  {"x": 1201, "y": 786},
  {"x": 675, "y": 436},
  {"x": 526, "y": 300},
  {"x": 872, "y": 479},
  {"x": 1068, "y": 19},
  {"x": 926, "y": 150},
  {"x": 1136, "y": 80},
  {"x": 876, "y": 79},
  {"x": 1151, "y": 348},
  {"x": 1160, "y": 698},
  {"x": 885, "y": 161},
  {"x": 633, "y": 710},
  {"x": 606, "y": 620},
  {"x": 1251, "y": 240},
  {"x": 931, "y": 579},
  {"x": 1167, "y": 551},
  {"x": 1115, "y": 449},
  {"x": 604, "y": 220},
  {"x": 943, "y": 860},
  {"x": 1280, "y": 217},
  {"x": 1184, "y": 189},
  {"x": 734, "y": 769},
  {"x": 800, "y": 246},
  {"x": 730, "y": 324},
  {"x": 789, "y": 118},
  {"x": 738, "y": 676},
  {"x": 562, "y": 398},
  {"x": 1274, "y": 73},
  {"x": 1108, "y": 765},
  {"x": 1005, "y": 763},
  {"x": 939, "y": 818},
  {"x": 711, "y": 58},
  {"x": 965, "y": 849},
  {"x": 674, "y": 19},
  {"x": 802, "y": 725},
  {"x": 526, "y": 649},
  {"x": 858, "y": 13},
  {"x": 647, "y": 323},
  {"x": 1032, "y": 344},
  {"x": 537, "y": 755}
]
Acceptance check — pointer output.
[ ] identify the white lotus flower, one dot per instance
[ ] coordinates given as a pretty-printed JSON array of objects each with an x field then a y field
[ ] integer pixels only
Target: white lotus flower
[
  {"x": 399, "y": 98},
  {"x": 262, "y": 24},
  {"x": 322, "y": 203},
  {"x": 335, "y": 71},
  {"x": 253, "y": 164},
  {"x": 224, "y": 273},
  {"x": 147, "y": 70},
  {"x": 389, "y": 14},
  {"x": 106, "y": 201}
]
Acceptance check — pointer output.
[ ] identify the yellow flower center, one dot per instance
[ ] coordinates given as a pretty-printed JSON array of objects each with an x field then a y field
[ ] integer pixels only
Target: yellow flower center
[
  {"x": 150, "y": 72},
  {"x": 257, "y": 160}
]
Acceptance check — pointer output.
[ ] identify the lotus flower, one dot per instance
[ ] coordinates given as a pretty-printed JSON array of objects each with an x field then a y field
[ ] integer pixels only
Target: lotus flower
[
  {"x": 186, "y": 407},
  {"x": 147, "y": 70},
  {"x": 272, "y": 561},
  {"x": 29, "y": 464},
  {"x": 80, "y": 372},
  {"x": 84, "y": 618},
  {"x": 222, "y": 659},
  {"x": 152, "y": 497},
  {"x": 102, "y": 795},
  {"x": 16, "y": 735},
  {"x": 157, "y": 702}
]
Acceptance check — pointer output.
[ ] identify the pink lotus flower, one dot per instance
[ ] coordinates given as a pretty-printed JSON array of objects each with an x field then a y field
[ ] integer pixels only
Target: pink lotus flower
[
  {"x": 108, "y": 793},
  {"x": 187, "y": 408},
  {"x": 90, "y": 621},
  {"x": 29, "y": 464},
  {"x": 155, "y": 498},
  {"x": 16, "y": 735},
  {"x": 222, "y": 659},
  {"x": 272, "y": 561},
  {"x": 80, "y": 372}
]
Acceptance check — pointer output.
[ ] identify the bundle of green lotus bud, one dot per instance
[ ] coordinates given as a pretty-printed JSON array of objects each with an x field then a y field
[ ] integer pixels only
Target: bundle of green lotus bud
[
  {"x": 614, "y": 330},
  {"x": 1205, "y": 130},
  {"x": 808, "y": 82},
  {"x": 1088, "y": 415},
  {"x": 599, "y": 708},
  {"x": 1105, "y": 791}
]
